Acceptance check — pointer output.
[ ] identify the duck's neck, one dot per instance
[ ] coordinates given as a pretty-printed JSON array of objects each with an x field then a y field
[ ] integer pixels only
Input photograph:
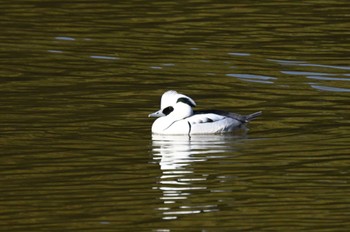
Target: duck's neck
[{"x": 181, "y": 111}]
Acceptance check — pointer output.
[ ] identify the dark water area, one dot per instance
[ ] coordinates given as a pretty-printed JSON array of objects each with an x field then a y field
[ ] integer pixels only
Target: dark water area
[{"x": 78, "y": 79}]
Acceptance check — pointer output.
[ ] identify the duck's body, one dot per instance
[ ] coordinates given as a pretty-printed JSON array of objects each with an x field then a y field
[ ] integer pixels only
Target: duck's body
[{"x": 177, "y": 117}]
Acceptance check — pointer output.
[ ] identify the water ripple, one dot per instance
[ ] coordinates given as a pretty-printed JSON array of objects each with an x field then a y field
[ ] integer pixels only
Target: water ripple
[
  {"x": 322, "y": 78},
  {"x": 66, "y": 38},
  {"x": 253, "y": 78},
  {"x": 239, "y": 54},
  {"x": 305, "y": 73},
  {"x": 105, "y": 57},
  {"x": 328, "y": 88}
]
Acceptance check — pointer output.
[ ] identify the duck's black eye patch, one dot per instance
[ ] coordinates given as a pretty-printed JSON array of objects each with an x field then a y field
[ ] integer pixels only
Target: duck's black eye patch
[
  {"x": 168, "y": 110},
  {"x": 186, "y": 101}
]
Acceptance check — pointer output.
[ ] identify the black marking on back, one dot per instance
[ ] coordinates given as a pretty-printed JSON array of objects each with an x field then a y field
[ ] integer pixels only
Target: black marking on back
[
  {"x": 190, "y": 127},
  {"x": 168, "y": 110},
  {"x": 186, "y": 101},
  {"x": 238, "y": 117}
]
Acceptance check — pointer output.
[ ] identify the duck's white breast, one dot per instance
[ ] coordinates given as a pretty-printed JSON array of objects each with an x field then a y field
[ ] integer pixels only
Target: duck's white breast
[{"x": 173, "y": 128}]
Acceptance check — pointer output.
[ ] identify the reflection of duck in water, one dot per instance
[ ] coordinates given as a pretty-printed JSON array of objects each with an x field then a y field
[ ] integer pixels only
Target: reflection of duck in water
[
  {"x": 176, "y": 116},
  {"x": 181, "y": 179},
  {"x": 179, "y": 151}
]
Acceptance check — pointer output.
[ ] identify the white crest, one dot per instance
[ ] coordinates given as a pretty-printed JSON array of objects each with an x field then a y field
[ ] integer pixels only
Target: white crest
[{"x": 169, "y": 98}]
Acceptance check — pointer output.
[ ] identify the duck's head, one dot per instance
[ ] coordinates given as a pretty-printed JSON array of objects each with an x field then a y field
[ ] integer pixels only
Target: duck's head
[{"x": 173, "y": 102}]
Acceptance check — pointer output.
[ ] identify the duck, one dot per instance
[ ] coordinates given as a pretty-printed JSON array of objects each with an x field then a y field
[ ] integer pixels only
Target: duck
[{"x": 177, "y": 117}]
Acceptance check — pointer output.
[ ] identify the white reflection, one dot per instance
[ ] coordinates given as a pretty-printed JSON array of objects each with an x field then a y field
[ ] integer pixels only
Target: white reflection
[
  {"x": 174, "y": 152},
  {"x": 179, "y": 180}
]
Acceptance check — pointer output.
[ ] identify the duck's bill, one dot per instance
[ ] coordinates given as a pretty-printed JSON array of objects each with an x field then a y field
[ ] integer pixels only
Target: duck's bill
[{"x": 157, "y": 114}]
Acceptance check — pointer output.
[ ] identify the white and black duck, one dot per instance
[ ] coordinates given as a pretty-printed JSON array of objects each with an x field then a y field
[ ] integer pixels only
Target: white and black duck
[{"x": 177, "y": 116}]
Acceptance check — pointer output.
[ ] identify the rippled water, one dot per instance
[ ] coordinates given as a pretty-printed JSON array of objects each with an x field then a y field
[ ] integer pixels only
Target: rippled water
[{"x": 78, "y": 80}]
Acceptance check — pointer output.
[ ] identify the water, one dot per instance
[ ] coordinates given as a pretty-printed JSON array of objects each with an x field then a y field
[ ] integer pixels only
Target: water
[{"x": 78, "y": 80}]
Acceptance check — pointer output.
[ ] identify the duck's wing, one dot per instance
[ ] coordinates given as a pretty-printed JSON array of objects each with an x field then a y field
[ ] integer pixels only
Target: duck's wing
[
  {"x": 222, "y": 113},
  {"x": 210, "y": 123},
  {"x": 238, "y": 117},
  {"x": 205, "y": 118}
]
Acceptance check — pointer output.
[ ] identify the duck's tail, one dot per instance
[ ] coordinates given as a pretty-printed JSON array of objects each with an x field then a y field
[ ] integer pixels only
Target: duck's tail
[{"x": 252, "y": 116}]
